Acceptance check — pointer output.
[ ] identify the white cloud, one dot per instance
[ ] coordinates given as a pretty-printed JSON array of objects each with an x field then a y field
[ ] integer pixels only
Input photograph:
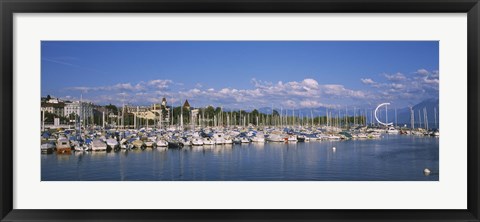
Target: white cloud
[
  {"x": 368, "y": 81},
  {"x": 195, "y": 91},
  {"x": 306, "y": 93},
  {"x": 431, "y": 81},
  {"x": 423, "y": 72},
  {"x": 310, "y": 84},
  {"x": 160, "y": 83},
  {"x": 157, "y": 84},
  {"x": 310, "y": 104},
  {"x": 124, "y": 87},
  {"x": 341, "y": 91},
  {"x": 398, "y": 86},
  {"x": 83, "y": 89},
  {"x": 289, "y": 104},
  {"x": 397, "y": 77}
]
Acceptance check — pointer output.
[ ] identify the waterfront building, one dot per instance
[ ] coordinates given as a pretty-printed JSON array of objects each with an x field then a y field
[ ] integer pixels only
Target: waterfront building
[
  {"x": 55, "y": 108},
  {"x": 186, "y": 105},
  {"x": 164, "y": 112},
  {"x": 54, "y": 100},
  {"x": 82, "y": 109},
  {"x": 194, "y": 116}
]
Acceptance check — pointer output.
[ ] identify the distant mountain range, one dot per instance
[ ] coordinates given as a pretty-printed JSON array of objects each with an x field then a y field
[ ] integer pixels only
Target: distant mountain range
[
  {"x": 432, "y": 113},
  {"x": 403, "y": 114}
]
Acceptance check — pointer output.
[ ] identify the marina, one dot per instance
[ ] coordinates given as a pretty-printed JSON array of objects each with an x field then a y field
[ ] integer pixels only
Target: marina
[
  {"x": 239, "y": 111},
  {"x": 253, "y": 153},
  {"x": 190, "y": 145},
  {"x": 390, "y": 158}
]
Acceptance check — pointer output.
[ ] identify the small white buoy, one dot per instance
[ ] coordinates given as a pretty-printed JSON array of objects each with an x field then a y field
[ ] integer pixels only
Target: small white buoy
[
  {"x": 426, "y": 171},
  {"x": 334, "y": 149}
]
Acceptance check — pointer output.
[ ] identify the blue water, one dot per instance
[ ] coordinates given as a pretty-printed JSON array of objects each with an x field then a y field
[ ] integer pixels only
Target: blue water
[{"x": 391, "y": 158}]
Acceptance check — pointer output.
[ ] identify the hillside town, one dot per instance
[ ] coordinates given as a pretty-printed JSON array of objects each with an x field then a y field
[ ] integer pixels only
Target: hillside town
[{"x": 57, "y": 113}]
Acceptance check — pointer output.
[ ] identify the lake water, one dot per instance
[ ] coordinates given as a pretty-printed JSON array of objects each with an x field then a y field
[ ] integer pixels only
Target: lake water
[{"x": 391, "y": 158}]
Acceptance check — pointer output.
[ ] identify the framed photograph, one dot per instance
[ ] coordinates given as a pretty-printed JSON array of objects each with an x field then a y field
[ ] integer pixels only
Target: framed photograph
[{"x": 264, "y": 110}]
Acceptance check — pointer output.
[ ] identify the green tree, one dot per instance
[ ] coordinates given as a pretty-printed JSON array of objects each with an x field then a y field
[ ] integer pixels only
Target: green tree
[{"x": 112, "y": 108}]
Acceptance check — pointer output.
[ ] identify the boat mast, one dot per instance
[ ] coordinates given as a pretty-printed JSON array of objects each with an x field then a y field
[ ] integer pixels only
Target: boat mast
[
  {"x": 43, "y": 120},
  {"x": 172, "y": 114},
  {"x": 346, "y": 117},
  {"x": 386, "y": 114},
  {"x": 371, "y": 118},
  {"x": 395, "y": 116},
  {"x": 311, "y": 115},
  {"x": 181, "y": 116},
  {"x": 293, "y": 117},
  {"x": 366, "y": 117},
  {"x": 354, "y": 116},
  {"x": 412, "y": 119},
  {"x": 81, "y": 113},
  {"x": 426, "y": 118}
]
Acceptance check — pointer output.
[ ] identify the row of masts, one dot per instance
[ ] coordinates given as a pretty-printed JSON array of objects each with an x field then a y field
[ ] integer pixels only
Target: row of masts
[{"x": 284, "y": 118}]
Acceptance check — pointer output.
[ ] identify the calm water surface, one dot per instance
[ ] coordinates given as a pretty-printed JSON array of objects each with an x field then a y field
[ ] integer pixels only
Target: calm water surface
[{"x": 391, "y": 158}]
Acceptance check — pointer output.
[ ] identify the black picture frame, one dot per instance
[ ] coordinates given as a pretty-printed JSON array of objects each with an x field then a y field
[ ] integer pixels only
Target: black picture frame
[{"x": 9, "y": 7}]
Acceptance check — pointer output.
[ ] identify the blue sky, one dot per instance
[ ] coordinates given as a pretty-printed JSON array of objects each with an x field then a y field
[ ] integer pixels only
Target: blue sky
[{"x": 242, "y": 74}]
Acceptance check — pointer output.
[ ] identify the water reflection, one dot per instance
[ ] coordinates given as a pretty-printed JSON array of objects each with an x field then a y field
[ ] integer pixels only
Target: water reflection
[{"x": 391, "y": 158}]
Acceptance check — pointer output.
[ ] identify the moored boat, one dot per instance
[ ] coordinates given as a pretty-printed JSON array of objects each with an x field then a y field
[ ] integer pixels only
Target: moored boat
[
  {"x": 275, "y": 138},
  {"x": 197, "y": 141},
  {"x": 47, "y": 147},
  {"x": 175, "y": 144},
  {"x": 162, "y": 143},
  {"x": 392, "y": 130},
  {"x": 139, "y": 144},
  {"x": 98, "y": 145},
  {"x": 208, "y": 141},
  {"x": 63, "y": 145},
  {"x": 112, "y": 144},
  {"x": 290, "y": 139}
]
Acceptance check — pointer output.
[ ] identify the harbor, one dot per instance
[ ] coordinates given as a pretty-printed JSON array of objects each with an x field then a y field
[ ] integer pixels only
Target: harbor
[
  {"x": 226, "y": 127},
  {"x": 231, "y": 147},
  {"x": 393, "y": 157},
  {"x": 240, "y": 111}
]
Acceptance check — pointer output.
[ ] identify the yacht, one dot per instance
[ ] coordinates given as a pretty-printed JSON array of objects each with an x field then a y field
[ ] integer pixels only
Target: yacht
[
  {"x": 275, "y": 138},
  {"x": 47, "y": 147},
  {"x": 98, "y": 145},
  {"x": 63, "y": 145},
  {"x": 162, "y": 143},
  {"x": 228, "y": 140},
  {"x": 218, "y": 138},
  {"x": 197, "y": 141},
  {"x": 392, "y": 130},
  {"x": 138, "y": 144},
  {"x": 151, "y": 143},
  {"x": 291, "y": 139},
  {"x": 244, "y": 140},
  {"x": 112, "y": 144},
  {"x": 259, "y": 138},
  {"x": 208, "y": 141}
]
